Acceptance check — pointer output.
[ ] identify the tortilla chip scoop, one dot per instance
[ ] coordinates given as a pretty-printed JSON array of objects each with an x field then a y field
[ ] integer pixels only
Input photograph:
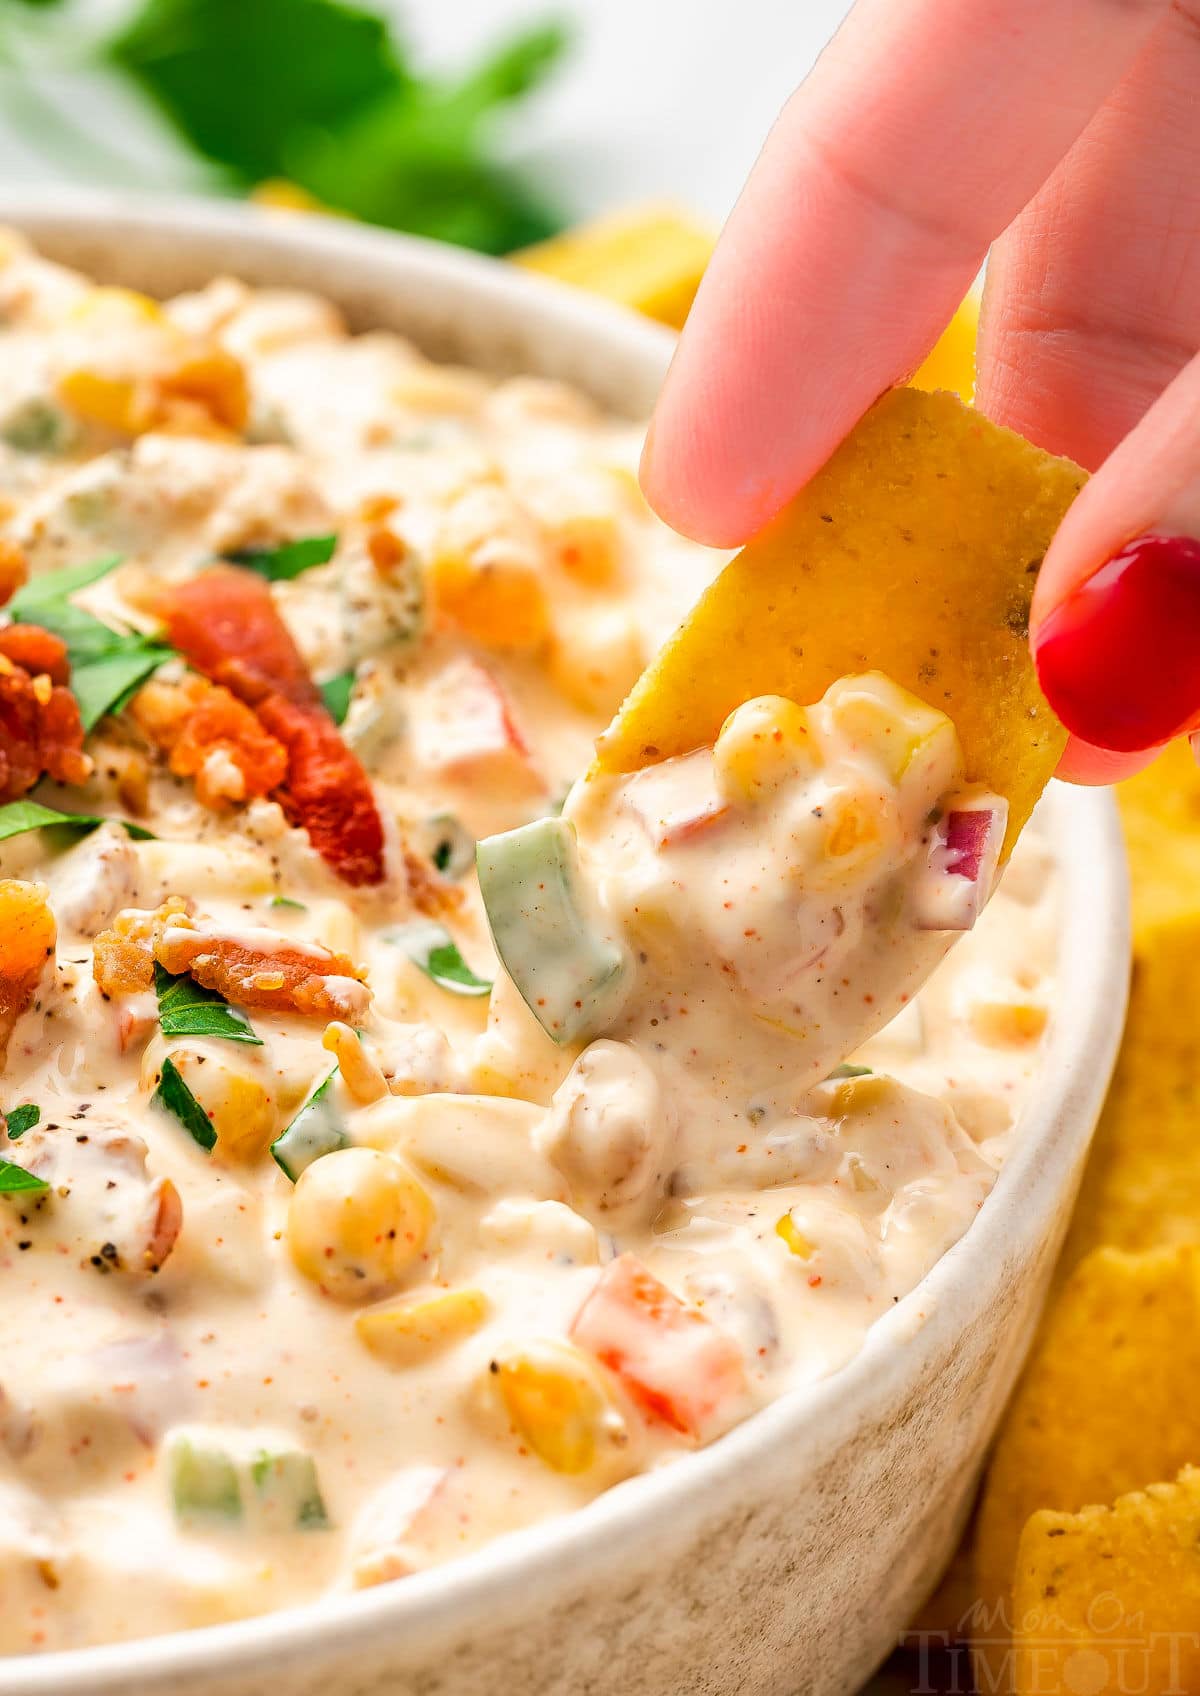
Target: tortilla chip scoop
[{"x": 914, "y": 551}]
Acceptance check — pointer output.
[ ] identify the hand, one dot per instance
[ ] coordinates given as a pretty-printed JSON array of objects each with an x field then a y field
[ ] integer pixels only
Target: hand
[{"x": 1067, "y": 133}]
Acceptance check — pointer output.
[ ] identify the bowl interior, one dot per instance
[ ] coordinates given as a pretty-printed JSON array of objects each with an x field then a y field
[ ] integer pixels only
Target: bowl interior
[{"x": 461, "y": 307}]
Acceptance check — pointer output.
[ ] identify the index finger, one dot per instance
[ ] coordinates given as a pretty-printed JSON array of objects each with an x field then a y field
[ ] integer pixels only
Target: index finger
[{"x": 920, "y": 134}]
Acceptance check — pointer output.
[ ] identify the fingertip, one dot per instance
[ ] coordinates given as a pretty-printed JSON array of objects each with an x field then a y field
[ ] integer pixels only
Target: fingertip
[
  {"x": 696, "y": 506},
  {"x": 1083, "y": 763}
]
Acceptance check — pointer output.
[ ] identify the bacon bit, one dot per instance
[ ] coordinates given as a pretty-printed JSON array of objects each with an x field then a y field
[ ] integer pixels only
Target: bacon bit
[
  {"x": 327, "y": 790},
  {"x": 40, "y": 728},
  {"x": 195, "y": 719},
  {"x": 226, "y": 624},
  {"x": 282, "y": 977},
  {"x": 27, "y": 937},
  {"x": 14, "y": 571},
  {"x": 123, "y": 957},
  {"x": 166, "y": 1224},
  {"x": 428, "y": 892},
  {"x": 35, "y": 650}
]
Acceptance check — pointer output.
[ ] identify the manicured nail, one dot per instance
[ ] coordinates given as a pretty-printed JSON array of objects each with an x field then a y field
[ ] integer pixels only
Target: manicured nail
[{"x": 1119, "y": 659}]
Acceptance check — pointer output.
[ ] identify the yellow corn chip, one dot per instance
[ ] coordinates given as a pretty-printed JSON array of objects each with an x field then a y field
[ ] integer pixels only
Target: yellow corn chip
[
  {"x": 651, "y": 259},
  {"x": 1109, "y": 1400},
  {"x": 1107, "y": 1601},
  {"x": 1160, "y": 816},
  {"x": 913, "y": 551},
  {"x": 951, "y": 362}
]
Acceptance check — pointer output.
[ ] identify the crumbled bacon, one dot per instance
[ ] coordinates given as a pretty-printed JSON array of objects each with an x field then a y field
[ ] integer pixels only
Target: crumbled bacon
[
  {"x": 429, "y": 892},
  {"x": 225, "y": 622},
  {"x": 266, "y": 970},
  {"x": 35, "y": 650},
  {"x": 327, "y": 790},
  {"x": 40, "y": 732},
  {"x": 27, "y": 937},
  {"x": 123, "y": 956},
  {"x": 14, "y": 571},
  {"x": 212, "y": 736}
]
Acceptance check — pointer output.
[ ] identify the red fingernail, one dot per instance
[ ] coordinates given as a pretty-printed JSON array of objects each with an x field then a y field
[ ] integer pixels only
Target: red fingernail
[{"x": 1119, "y": 660}]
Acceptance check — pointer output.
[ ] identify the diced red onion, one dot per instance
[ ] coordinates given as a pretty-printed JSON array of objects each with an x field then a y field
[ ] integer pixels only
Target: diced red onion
[{"x": 957, "y": 880}]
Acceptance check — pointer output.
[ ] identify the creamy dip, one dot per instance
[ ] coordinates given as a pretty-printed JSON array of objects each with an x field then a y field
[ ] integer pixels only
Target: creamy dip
[{"x": 333, "y": 1262}]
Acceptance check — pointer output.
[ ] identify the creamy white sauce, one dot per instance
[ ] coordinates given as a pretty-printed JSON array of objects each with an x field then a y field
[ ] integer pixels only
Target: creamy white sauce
[{"x": 512, "y": 1174}]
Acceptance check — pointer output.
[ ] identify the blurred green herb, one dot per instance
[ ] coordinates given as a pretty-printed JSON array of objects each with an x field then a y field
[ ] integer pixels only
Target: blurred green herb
[
  {"x": 319, "y": 94},
  {"x": 338, "y": 111}
]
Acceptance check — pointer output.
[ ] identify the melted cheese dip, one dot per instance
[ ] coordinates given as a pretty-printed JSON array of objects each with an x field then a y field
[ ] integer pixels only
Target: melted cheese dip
[{"x": 487, "y": 1274}]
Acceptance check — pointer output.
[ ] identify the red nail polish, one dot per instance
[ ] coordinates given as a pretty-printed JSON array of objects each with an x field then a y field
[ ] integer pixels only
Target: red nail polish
[{"x": 1119, "y": 660}]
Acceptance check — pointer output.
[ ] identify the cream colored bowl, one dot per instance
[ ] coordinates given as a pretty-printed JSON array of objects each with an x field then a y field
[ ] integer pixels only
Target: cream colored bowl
[{"x": 787, "y": 1556}]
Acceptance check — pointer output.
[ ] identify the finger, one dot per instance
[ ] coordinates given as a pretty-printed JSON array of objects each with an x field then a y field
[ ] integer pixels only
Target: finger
[
  {"x": 1096, "y": 767},
  {"x": 1116, "y": 614},
  {"x": 919, "y": 135},
  {"x": 1093, "y": 297}
]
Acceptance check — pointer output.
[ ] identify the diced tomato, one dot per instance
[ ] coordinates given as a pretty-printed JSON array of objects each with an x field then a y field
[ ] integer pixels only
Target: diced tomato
[
  {"x": 35, "y": 650},
  {"x": 225, "y": 622},
  {"x": 677, "y": 801},
  {"x": 671, "y": 1359},
  {"x": 467, "y": 731}
]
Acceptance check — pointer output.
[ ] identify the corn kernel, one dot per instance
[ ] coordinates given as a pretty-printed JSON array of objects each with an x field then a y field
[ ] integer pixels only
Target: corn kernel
[
  {"x": 556, "y": 1402},
  {"x": 762, "y": 744},
  {"x": 360, "y": 1072},
  {"x": 1008, "y": 1024},
  {"x": 795, "y": 1239},
  {"x": 111, "y": 306},
  {"x": 498, "y": 602},
  {"x": 358, "y": 1223},
  {"x": 407, "y": 1332},
  {"x": 116, "y": 403},
  {"x": 243, "y": 1112},
  {"x": 912, "y": 741},
  {"x": 596, "y": 657}
]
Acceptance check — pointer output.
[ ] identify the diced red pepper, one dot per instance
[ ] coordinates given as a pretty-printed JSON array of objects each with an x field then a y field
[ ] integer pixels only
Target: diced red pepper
[
  {"x": 226, "y": 624},
  {"x": 671, "y": 1359}
]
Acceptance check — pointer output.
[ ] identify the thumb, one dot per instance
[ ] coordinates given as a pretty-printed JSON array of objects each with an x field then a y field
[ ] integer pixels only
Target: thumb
[{"x": 1115, "y": 624}]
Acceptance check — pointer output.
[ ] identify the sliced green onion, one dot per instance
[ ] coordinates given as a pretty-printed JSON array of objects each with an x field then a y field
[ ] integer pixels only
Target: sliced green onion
[
  {"x": 174, "y": 1096},
  {"x": 448, "y": 844},
  {"x": 204, "y": 1482},
  {"x": 846, "y": 1070},
  {"x": 186, "y": 1008},
  {"x": 431, "y": 947},
  {"x": 317, "y": 1129},
  {"x": 288, "y": 1489},
  {"x": 286, "y": 901}
]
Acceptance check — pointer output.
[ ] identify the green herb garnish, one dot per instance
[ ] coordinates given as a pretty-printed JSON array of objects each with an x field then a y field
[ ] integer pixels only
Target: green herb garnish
[
  {"x": 107, "y": 665},
  {"x": 288, "y": 560},
  {"x": 177, "y": 1099},
  {"x": 336, "y": 693},
  {"x": 19, "y": 816},
  {"x": 15, "y": 1180},
  {"x": 286, "y": 901},
  {"x": 432, "y": 948},
  {"x": 186, "y": 1008},
  {"x": 21, "y": 1119}
]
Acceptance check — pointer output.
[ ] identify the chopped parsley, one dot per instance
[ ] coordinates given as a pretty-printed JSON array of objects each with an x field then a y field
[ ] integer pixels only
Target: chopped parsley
[
  {"x": 174, "y": 1096},
  {"x": 21, "y": 1119},
  {"x": 336, "y": 693},
  {"x": 186, "y": 1008},
  {"x": 19, "y": 816},
  {"x": 431, "y": 947},
  {"x": 15, "y": 1180},
  {"x": 288, "y": 560}
]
